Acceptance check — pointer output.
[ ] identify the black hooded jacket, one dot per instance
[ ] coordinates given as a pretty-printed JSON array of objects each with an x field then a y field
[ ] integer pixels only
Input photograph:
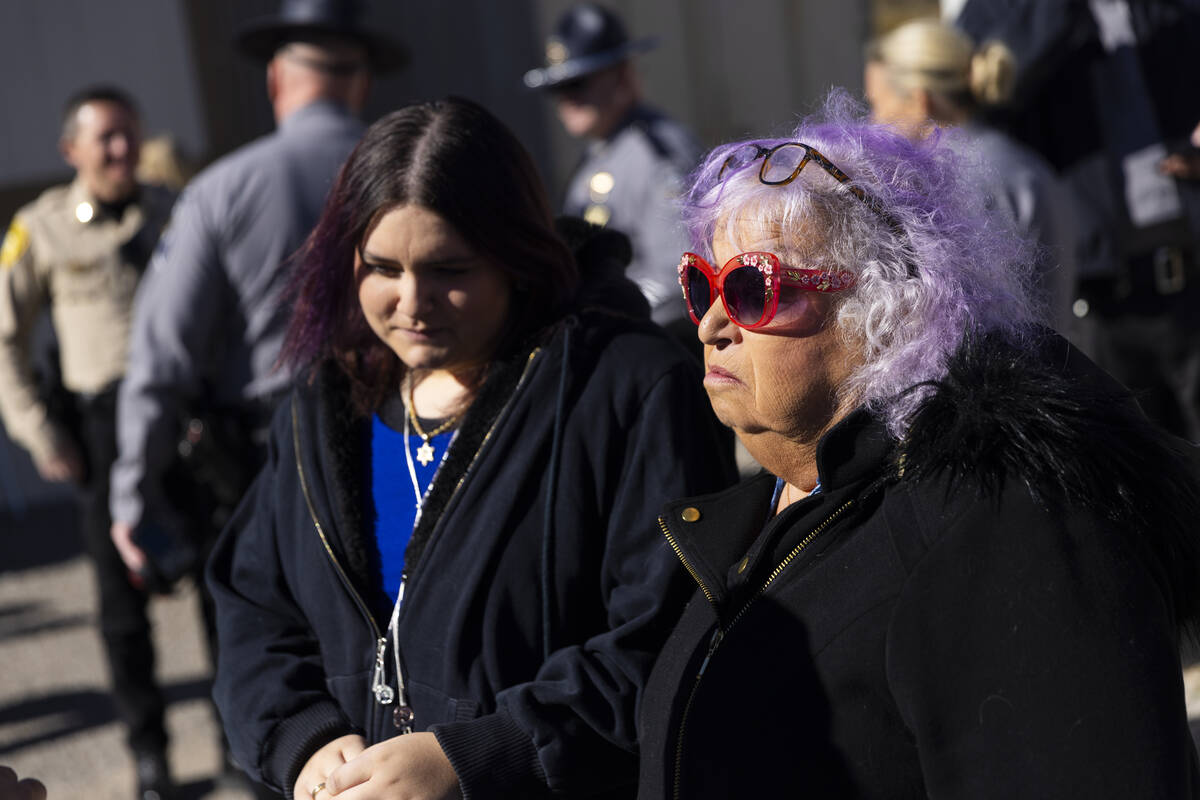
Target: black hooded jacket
[
  {"x": 538, "y": 587},
  {"x": 988, "y": 609}
]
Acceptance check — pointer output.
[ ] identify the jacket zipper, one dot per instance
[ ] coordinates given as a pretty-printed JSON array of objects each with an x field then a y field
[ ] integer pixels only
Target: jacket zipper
[
  {"x": 720, "y": 633},
  {"x": 433, "y": 536},
  {"x": 403, "y": 714},
  {"x": 383, "y": 693},
  {"x": 312, "y": 512},
  {"x": 662, "y": 523}
]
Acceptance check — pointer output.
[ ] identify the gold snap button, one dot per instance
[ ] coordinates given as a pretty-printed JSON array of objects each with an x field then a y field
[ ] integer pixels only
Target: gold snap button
[
  {"x": 690, "y": 514},
  {"x": 745, "y": 562}
]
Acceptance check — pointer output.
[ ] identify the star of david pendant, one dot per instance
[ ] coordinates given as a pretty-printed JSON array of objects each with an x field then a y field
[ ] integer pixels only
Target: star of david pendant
[{"x": 425, "y": 454}]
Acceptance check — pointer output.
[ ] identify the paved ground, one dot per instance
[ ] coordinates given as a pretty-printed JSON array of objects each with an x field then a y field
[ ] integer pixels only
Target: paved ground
[{"x": 56, "y": 720}]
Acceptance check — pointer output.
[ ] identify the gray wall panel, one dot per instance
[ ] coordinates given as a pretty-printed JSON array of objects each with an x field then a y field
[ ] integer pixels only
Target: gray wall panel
[{"x": 50, "y": 48}]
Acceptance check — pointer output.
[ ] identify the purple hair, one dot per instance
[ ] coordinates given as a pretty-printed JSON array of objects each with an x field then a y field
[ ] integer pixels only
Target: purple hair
[{"x": 933, "y": 268}]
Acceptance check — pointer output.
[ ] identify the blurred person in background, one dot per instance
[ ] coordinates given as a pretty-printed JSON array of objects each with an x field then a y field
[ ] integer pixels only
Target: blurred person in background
[
  {"x": 79, "y": 251},
  {"x": 926, "y": 75},
  {"x": 209, "y": 319},
  {"x": 163, "y": 164},
  {"x": 448, "y": 581},
  {"x": 636, "y": 157},
  {"x": 1106, "y": 90}
]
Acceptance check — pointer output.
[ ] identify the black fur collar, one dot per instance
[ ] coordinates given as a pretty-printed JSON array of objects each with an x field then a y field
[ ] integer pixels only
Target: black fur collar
[
  {"x": 344, "y": 439},
  {"x": 1048, "y": 417}
]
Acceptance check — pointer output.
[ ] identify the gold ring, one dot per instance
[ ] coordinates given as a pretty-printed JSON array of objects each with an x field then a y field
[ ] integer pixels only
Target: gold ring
[{"x": 320, "y": 786}]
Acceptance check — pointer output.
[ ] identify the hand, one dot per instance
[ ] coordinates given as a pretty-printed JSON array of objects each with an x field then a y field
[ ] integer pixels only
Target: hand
[
  {"x": 1185, "y": 165},
  {"x": 323, "y": 762},
  {"x": 13, "y": 789},
  {"x": 409, "y": 767},
  {"x": 64, "y": 464},
  {"x": 131, "y": 554},
  {"x": 1182, "y": 165}
]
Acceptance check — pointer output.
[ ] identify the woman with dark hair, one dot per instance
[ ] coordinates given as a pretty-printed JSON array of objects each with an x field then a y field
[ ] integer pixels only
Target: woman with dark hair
[
  {"x": 454, "y": 536},
  {"x": 967, "y": 571}
]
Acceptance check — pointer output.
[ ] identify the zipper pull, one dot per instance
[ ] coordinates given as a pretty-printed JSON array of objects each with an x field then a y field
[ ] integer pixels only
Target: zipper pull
[
  {"x": 384, "y": 694},
  {"x": 713, "y": 644},
  {"x": 402, "y": 718}
]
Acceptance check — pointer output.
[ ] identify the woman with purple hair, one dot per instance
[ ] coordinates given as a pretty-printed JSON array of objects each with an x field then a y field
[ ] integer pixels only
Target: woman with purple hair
[
  {"x": 454, "y": 538},
  {"x": 966, "y": 572}
]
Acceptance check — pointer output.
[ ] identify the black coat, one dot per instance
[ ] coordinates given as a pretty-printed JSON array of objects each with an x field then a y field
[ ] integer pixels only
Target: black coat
[
  {"x": 525, "y": 653},
  {"x": 988, "y": 609}
]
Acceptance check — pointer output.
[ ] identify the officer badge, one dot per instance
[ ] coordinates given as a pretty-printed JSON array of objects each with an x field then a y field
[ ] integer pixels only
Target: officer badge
[
  {"x": 16, "y": 242},
  {"x": 597, "y": 214},
  {"x": 556, "y": 52},
  {"x": 600, "y": 186}
]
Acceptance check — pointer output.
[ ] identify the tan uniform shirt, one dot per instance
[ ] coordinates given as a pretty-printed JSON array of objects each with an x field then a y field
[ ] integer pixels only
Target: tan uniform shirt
[{"x": 63, "y": 252}]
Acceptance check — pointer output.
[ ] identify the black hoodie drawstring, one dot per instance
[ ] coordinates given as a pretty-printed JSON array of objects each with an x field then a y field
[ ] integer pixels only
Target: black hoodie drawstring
[{"x": 551, "y": 493}]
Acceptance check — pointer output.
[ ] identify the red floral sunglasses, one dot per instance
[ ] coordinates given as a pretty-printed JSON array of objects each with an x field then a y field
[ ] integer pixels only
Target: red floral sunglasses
[{"x": 749, "y": 284}]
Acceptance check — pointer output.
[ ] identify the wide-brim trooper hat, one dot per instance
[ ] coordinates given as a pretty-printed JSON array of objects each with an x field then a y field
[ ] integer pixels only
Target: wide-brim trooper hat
[
  {"x": 299, "y": 20},
  {"x": 587, "y": 38}
]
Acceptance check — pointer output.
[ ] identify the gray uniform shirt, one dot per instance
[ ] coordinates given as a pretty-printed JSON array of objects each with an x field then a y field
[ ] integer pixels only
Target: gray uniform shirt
[
  {"x": 1024, "y": 186},
  {"x": 630, "y": 182},
  {"x": 208, "y": 318}
]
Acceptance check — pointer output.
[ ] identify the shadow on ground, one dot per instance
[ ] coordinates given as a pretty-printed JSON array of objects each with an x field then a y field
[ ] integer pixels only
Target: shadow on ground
[
  {"x": 69, "y": 713},
  {"x": 39, "y": 536},
  {"x": 28, "y": 619}
]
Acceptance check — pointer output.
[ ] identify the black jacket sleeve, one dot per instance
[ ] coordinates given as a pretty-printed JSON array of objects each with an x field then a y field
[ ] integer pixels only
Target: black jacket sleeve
[
  {"x": 1033, "y": 654},
  {"x": 265, "y": 640},
  {"x": 572, "y": 729}
]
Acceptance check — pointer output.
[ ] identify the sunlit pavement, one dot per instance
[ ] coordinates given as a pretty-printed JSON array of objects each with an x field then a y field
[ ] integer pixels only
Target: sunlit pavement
[{"x": 56, "y": 720}]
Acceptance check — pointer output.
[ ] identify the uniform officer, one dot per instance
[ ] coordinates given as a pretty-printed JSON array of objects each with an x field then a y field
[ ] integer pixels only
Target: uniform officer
[
  {"x": 79, "y": 250},
  {"x": 210, "y": 318},
  {"x": 636, "y": 157}
]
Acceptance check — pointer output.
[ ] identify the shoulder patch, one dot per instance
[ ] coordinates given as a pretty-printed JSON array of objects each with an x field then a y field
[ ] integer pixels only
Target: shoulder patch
[{"x": 16, "y": 242}]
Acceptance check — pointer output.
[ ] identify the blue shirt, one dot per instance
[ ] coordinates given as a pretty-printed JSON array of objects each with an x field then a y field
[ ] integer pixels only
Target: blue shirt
[
  {"x": 779, "y": 484},
  {"x": 392, "y": 491}
]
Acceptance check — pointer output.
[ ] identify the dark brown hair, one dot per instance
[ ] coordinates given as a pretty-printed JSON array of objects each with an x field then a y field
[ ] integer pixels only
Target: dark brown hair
[{"x": 454, "y": 158}]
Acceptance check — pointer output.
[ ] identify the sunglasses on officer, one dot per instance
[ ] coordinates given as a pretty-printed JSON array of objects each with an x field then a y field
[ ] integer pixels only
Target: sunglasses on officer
[
  {"x": 569, "y": 87},
  {"x": 750, "y": 285},
  {"x": 573, "y": 88}
]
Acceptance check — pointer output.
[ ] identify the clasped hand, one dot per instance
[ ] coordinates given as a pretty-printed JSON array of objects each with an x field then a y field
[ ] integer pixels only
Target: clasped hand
[
  {"x": 13, "y": 789},
  {"x": 410, "y": 767}
]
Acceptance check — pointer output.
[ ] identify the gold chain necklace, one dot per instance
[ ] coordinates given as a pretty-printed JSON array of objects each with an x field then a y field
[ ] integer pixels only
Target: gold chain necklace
[{"x": 425, "y": 451}]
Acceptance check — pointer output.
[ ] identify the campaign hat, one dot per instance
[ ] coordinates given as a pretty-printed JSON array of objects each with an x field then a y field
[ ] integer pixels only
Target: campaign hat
[
  {"x": 587, "y": 38},
  {"x": 305, "y": 20}
]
